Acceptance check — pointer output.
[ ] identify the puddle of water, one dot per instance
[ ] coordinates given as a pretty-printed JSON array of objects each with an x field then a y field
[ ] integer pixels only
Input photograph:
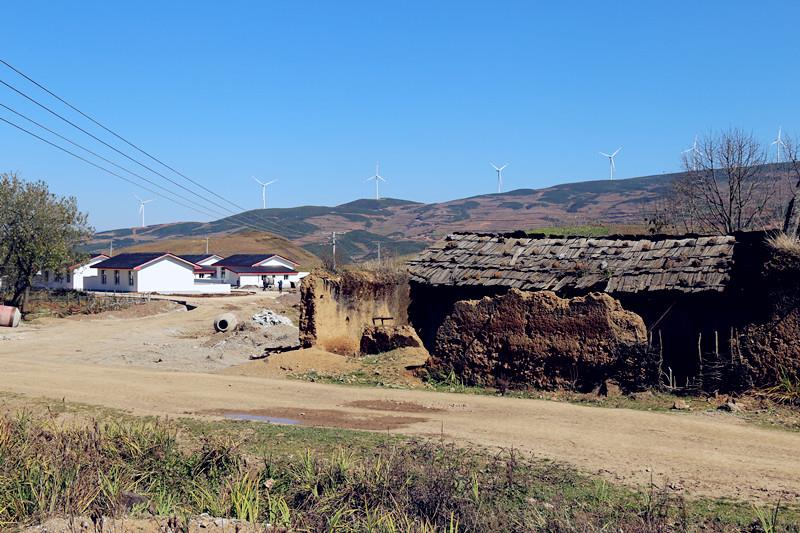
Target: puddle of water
[{"x": 261, "y": 418}]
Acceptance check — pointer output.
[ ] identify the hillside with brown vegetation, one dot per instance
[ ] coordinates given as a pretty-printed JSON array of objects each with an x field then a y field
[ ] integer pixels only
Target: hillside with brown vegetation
[
  {"x": 244, "y": 242},
  {"x": 401, "y": 227}
]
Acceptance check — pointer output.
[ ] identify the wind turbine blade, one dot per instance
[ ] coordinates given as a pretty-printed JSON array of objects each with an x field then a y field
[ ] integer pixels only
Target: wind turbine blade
[
  {"x": 494, "y": 166},
  {"x": 617, "y": 151},
  {"x": 604, "y": 154},
  {"x": 270, "y": 182},
  {"x": 504, "y": 166},
  {"x": 381, "y": 178}
]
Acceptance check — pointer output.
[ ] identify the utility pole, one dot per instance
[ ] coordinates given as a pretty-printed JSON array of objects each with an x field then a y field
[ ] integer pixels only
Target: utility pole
[
  {"x": 206, "y": 245},
  {"x": 333, "y": 235},
  {"x": 379, "y": 252},
  {"x": 111, "y": 249}
]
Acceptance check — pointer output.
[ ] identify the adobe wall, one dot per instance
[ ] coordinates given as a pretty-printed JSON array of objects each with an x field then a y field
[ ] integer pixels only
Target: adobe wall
[
  {"x": 537, "y": 339},
  {"x": 337, "y": 309}
]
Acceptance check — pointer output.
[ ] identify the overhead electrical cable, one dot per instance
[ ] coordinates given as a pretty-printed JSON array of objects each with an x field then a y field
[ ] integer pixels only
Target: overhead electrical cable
[
  {"x": 193, "y": 207},
  {"x": 95, "y": 154},
  {"x": 279, "y": 229},
  {"x": 73, "y": 154}
]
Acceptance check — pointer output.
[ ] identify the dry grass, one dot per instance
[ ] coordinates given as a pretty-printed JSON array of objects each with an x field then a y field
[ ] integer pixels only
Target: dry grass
[
  {"x": 141, "y": 469},
  {"x": 784, "y": 243}
]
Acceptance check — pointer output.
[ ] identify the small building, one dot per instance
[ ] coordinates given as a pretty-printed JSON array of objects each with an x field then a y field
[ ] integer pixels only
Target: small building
[
  {"x": 72, "y": 277},
  {"x": 243, "y": 270},
  {"x": 693, "y": 292},
  {"x": 203, "y": 264},
  {"x": 145, "y": 272}
]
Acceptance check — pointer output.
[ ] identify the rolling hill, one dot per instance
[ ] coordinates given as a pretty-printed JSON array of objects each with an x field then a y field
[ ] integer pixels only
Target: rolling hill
[
  {"x": 228, "y": 244},
  {"x": 403, "y": 227}
]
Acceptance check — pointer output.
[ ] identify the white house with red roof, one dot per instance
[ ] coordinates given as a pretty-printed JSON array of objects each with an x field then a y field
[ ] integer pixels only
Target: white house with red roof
[
  {"x": 72, "y": 277},
  {"x": 243, "y": 270},
  {"x": 151, "y": 272},
  {"x": 203, "y": 264}
]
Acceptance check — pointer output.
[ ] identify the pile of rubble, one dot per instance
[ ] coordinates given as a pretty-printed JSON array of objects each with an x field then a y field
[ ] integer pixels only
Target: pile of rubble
[{"x": 268, "y": 318}]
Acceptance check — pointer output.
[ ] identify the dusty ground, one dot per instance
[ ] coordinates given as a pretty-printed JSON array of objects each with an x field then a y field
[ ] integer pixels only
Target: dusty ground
[
  {"x": 161, "y": 334},
  {"x": 113, "y": 362}
]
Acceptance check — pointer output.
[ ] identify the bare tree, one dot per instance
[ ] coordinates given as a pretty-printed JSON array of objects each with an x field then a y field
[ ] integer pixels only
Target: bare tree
[
  {"x": 791, "y": 224},
  {"x": 723, "y": 188}
]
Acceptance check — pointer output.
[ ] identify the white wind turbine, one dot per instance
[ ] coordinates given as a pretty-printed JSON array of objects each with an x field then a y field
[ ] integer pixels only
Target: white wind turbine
[
  {"x": 141, "y": 208},
  {"x": 377, "y": 178},
  {"x": 778, "y": 142},
  {"x": 264, "y": 191},
  {"x": 612, "y": 167},
  {"x": 499, "y": 171},
  {"x": 693, "y": 153}
]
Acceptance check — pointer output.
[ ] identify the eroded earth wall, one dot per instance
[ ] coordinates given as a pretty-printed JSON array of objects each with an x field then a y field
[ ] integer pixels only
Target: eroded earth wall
[
  {"x": 337, "y": 309},
  {"x": 537, "y": 339}
]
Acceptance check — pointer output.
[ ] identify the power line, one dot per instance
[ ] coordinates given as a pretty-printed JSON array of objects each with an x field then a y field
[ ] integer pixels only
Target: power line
[
  {"x": 115, "y": 134},
  {"x": 242, "y": 217},
  {"x": 62, "y": 100},
  {"x": 99, "y": 156},
  {"x": 73, "y": 154},
  {"x": 81, "y": 158},
  {"x": 123, "y": 154}
]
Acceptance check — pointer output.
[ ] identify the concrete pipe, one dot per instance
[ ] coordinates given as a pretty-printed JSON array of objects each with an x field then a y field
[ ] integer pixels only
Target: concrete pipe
[
  {"x": 225, "y": 322},
  {"x": 9, "y": 316}
]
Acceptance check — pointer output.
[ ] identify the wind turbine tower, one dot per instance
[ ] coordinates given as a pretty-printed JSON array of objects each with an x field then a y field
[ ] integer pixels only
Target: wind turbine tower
[
  {"x": 611, "y": 166},
  {"x": 778, "y": 142},
  {"x": 499, "y": 171},
  {"x": 377, "y": 178},
  {"x": 141, "y": 208},
  {"x": 693, "y": 153},
  {"x": 264, "y": 191}
]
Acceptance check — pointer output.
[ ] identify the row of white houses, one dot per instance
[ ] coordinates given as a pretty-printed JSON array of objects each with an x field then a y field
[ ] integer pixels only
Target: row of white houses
[{"x": 168, "y": 273}]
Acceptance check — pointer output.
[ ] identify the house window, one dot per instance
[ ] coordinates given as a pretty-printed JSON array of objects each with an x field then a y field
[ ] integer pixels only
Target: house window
[
  {"x": 286, "y": 276},
  {"x": 116, "y": 277},
  {"x": 58, "y": 276},
  {"x": 103, "y": 278},
  {"x": 222, "y": 273},
  {"x": 69, "y": 277},
  {"x": 130, "y": 278},
  {"x": 46, "y": 276}
]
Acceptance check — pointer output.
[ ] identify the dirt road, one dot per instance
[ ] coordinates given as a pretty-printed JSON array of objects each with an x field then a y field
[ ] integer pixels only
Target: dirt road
[{"x": 707, "y": 454}]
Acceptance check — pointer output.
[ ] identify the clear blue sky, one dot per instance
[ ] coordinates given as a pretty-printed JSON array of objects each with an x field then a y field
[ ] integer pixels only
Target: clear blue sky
[{"x": 312, "y": 93}]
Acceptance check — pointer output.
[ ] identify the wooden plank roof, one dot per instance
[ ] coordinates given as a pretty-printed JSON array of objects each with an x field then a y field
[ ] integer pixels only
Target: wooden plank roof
[{"x": 610, "y": 264}]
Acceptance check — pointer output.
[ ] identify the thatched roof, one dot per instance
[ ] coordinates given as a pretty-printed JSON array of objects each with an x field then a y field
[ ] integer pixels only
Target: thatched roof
[{"x": 613, "y": 264}]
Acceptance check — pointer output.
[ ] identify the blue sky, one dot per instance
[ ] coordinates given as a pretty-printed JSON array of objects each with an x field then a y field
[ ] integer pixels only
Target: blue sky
[{"x": 312, "y": 93}]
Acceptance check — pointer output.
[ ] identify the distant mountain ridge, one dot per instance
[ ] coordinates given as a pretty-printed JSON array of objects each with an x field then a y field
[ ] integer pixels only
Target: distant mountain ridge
[{"x": 402, "y": 227}]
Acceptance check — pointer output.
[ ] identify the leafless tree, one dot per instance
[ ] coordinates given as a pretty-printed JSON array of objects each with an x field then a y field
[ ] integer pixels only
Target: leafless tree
[
  {"x": 791, "y": 225},
  {"x": 723, "y": 188}
]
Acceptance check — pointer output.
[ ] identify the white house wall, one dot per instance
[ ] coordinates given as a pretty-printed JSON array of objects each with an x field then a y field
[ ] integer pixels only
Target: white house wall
[
  {"x": 165, "y": 275},
  {"x": 277, "y": 261},
  {"x": 76, "y": 280}
]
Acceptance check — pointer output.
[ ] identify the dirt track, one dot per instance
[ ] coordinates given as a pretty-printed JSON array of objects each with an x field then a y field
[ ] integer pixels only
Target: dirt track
[{"x": 706, "y": 454}]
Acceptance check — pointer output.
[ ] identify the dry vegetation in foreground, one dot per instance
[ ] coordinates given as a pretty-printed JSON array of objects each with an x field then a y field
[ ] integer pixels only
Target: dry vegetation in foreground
[
  {"x": 116, "y": 465},
  {"x": 784, "y": 243}
]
